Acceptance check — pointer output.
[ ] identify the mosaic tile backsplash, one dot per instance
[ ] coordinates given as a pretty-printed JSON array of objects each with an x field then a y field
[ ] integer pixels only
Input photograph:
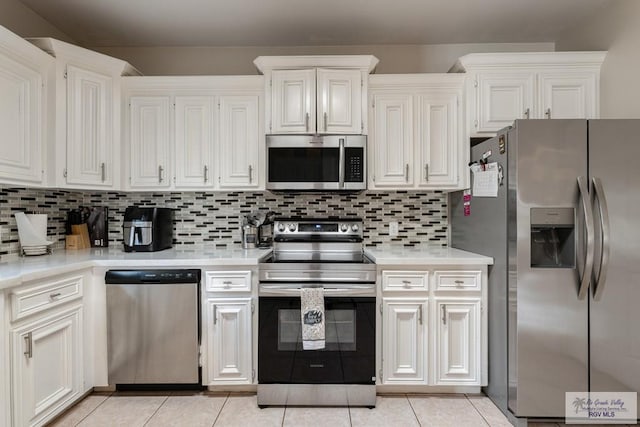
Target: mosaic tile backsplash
[{"x": 215, "y": 218}]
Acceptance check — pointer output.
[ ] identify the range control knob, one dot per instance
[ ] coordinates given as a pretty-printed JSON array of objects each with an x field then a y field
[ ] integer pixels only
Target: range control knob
[
  {"x": 281, "y": 227},
  {"x": 354, "y": 228},
  {"x": 344, "y": 227},
  {"x": 292, "y": 227}
]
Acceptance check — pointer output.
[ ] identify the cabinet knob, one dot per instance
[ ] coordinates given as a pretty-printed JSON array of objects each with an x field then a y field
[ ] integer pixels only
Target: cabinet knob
[
  {"x": 527, "y": 113},
  {"x": 548, "y": 113}
]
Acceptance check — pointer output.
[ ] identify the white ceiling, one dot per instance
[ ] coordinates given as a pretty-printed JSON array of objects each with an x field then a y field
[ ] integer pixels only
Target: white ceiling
[{"x": 311, "y": 22}]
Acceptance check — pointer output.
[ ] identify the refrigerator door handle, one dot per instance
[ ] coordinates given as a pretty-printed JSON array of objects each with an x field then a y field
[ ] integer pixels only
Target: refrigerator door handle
[
  {"x": 588, "y": 219},
  {"x": 598, "y": 282}
]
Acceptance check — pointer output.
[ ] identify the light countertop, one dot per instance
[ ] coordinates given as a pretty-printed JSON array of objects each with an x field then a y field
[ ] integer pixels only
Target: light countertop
[
  {"x": 424, "y": 254},
  {"x": 23, "y": 269}
]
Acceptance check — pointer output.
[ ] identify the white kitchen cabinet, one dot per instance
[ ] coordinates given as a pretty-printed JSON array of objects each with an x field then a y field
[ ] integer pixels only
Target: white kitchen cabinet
[
  {"x": 416, "y": 132},
  {"x": 90, "y": 153},
  {"x": 194, "y": 141},
  {"x": 23, "y": 71},
  {"x": 503, "y": 87},
  {"x": 458, "y": 342},
  {"x": 239, "y": 141},
  {"x": 229, "y": 341},
  {"x": 404, "y": 348},
  {"x": 150, "y": 142},
  {"x": 316, "y": 94},
  {"x": 194, "y": 133},
  {"x": 391, "y": 140},
  {"x": 83, "y": 121}
]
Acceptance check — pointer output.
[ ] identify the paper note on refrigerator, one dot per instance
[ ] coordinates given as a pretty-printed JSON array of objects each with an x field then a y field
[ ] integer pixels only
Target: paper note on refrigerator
[{"x": 485, "y": 182}]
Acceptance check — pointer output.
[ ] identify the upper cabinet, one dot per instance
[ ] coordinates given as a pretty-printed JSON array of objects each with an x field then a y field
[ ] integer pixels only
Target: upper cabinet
[
  {"x": 415, "y": 131},
  {"x": 316, "y": 94},
  {"x": 84, "y": 116},
  {"x": 193, "y": 133},
  {"x": 23, "y": 71},
  {"x": 503, "y": 87}
]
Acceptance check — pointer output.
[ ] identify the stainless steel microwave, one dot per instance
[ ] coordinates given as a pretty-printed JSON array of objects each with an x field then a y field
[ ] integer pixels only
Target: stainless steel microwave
[{"x": 317, "y": 162}]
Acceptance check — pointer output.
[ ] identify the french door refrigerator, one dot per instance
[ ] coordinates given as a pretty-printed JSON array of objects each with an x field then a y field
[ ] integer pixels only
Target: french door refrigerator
[{"x": 564, "y": 289}]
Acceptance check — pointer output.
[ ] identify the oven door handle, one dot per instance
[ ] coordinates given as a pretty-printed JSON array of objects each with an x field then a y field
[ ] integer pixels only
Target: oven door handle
[{"x": 279, "y": 290}]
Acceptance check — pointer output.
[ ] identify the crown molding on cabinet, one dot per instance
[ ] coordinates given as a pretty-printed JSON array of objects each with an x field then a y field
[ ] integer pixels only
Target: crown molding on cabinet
[{"x": 268, "y": 63}]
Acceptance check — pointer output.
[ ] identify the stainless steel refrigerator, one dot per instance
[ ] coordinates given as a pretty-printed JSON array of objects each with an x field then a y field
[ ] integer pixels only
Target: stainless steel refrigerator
[{"x": 564, "y": 232}]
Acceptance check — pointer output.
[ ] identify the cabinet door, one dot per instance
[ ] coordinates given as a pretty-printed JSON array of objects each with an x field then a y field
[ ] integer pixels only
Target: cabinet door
[
  {"x": 89, "y": 128},
  {"x": 229, "y": 338},
  {"x": 194, "y": 141},
  {"x": 150, "y": 139},
  {"x": 293, "y": 101},
  {"x": 239, "y": 141},
  {"x": 458, "y": 352},
  {"x": 339, "y": 101},
  {"x": 568, "y": 95},
  {"x": 46, "y": 367},
  {"x": 437, "y": 125},
  {"x": 21, "y": 122},
  {"x": 404, "y": 341},
  {"x": 502, "y": 98},
  {"x": 392, "y": 137}
]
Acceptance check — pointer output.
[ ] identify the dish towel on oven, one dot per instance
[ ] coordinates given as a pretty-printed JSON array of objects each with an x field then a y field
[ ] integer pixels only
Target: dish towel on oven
[{"x": 312, "y": 314}]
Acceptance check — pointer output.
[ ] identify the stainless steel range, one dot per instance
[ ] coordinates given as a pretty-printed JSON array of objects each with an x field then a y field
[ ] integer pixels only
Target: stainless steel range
[{"x": 325, "y": 253}]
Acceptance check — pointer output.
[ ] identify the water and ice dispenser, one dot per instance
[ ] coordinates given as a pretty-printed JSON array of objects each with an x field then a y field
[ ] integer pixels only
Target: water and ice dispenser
[{"x": 553, "y": 243}]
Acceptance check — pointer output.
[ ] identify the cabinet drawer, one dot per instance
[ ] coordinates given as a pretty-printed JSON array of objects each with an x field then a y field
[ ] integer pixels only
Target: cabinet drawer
[
  {"x": 405, "y": 280},
  {"x": 228, "y": 281},
  {"x": 43, "y": 296},
  {"x": 457, "y": 280}
]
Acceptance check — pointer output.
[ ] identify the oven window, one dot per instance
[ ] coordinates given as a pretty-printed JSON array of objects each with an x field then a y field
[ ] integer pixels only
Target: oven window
[{"x": 339, "y": 330}]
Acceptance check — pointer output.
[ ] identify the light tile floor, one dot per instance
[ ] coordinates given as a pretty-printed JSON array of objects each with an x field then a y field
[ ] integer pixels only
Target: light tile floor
[{"x": 228, "y": 410}]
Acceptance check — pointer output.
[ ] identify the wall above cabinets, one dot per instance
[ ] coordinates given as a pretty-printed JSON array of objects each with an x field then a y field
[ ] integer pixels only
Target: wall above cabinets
[
  {"x": 193, "y": 133},
  {"x": 503, "y": 87},
  {"x": 316, "y": 94}
]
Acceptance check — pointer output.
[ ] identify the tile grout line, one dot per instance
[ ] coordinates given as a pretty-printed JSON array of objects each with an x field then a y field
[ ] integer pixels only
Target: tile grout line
[
  {"x": 477, "y": 410},
  {"x": 157, "y": 409},
  {"x": 221, "y": 408},
  {"x": 406, "y": 396},
  {"x": 93, "y": 410}
]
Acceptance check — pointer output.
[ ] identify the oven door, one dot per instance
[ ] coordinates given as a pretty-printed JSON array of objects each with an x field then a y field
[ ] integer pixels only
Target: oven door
[{"x": 349, "y": 354}]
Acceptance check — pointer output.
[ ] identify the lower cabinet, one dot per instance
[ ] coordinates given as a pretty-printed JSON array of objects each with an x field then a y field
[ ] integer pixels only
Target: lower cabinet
[
  {"x": 405, "y": 349},
  {"x": 458, "y": 339},
  {"x": 229, "y": 341},
  {"x": 433, "y": 330},
  {"x": 46, "y": 356}
]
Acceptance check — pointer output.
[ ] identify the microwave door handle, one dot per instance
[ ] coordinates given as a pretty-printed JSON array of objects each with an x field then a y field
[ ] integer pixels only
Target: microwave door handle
[
  {"x": 341, "y": 167},
  {"x": 605, "y": 233}
]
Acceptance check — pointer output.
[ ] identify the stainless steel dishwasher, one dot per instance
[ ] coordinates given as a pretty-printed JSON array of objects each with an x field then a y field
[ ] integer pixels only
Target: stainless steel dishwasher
[{"x": 153, "y": 326}]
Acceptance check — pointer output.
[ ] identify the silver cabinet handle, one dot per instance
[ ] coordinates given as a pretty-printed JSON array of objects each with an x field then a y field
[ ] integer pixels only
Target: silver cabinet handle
[
  {"x": 55, "y": 295},
  {"x": 250, "y": 174},
  {"x": 28, "y": 343},
  {"x": 444, "y": 314},
  {"x": 420, "y": 314},
  {"x": 227, "y": 284},
  {"x": 527, "y": 113},
  {"x": 306, "y": 122},
  {"x": 206, "y": 173},
  {"x": 160, "y": 170},
  {"x": 588, "y": 219},
  {"x": 102, "y": 172},
  {"x": 548, "y": 113},
  {"x": 458, "y": 282},
  {"x": 598, "y": 282},
  {"x": 426, "y": 172},
  {"x": 215, "y": 314},
  {"x": 325, "y": 121},
  {"x": 406, "y": 172},
  {"x": 406, "y": 283}
]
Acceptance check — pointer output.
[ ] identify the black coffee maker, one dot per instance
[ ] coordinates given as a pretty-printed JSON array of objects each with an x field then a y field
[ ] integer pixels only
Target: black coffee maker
[{"x": 147, "y": 229}]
